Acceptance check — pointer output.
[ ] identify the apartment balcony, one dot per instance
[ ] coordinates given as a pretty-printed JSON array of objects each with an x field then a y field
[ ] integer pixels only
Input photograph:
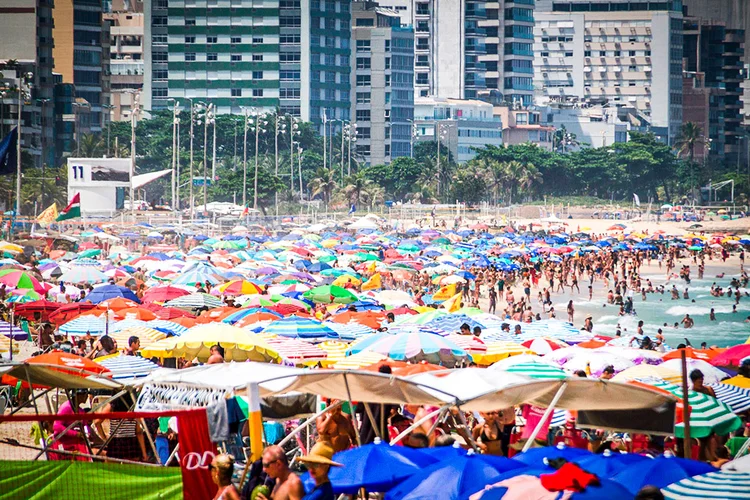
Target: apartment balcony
[
  {"x": 475, "y": 48},
  {"x": 475, "y": 31},
  {"x": 475, "y": 14}
]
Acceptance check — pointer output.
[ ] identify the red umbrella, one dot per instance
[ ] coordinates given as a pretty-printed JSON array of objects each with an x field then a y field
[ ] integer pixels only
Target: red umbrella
[
  {"x": 69, "y": 311},
  {"x": 402, "y": 310},
  {"x": 45, "y": 307},
  {"x": 63, "y": 362},
  {"x": 169, "y": 313},
  {"x": 22, "y": 279},
  {"x": 287, "y": 309},
  {"x": 732, "y": 356},
  {"x": 163, "y": 294}
]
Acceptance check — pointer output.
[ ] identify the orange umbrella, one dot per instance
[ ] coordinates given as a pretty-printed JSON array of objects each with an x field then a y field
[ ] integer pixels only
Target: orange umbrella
[
  {"x": 56, "y": 254},
  {"x": 116, "y": 304},
  {"x": 135, "y": 313},
  {"x": 215, "y": 314},
  {"x": 592, "y": 344},
  {"x": 403, "y": 369},
  {"x": 184, "y": 321},
  {"x": 255, "y": 318},
  {"x": 702, "y": 354},
  {"x": 65, "y": 363},
  {"x": 372, "y": 319}
]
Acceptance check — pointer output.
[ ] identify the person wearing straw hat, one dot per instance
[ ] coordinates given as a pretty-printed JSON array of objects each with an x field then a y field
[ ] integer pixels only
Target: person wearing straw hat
[{"x": 318, "y": 462}]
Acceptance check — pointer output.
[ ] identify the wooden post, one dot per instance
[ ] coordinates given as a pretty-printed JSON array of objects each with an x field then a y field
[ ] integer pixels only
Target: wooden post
[{"x": 687, "y": 442}]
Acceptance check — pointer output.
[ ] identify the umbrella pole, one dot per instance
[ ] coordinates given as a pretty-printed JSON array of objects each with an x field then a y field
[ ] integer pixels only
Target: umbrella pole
[
  {"x": 416, "y": 424},
  {"x": 546, "y": 416},
  {"x": 307, "y": 423},
  {"x": 687, "y": 447},
  {"x": 375, "y": 427},
  {"x": 466, "y": 426},
  {"x": 349, "y": 399}
]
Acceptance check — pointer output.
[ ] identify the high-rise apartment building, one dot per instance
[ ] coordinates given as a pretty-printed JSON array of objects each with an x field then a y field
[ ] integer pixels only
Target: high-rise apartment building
[
  {"x": 263, "y": 54},
  {"x": 26, "y": 27},
  {"x": 449, "y": 45},
  {"x": 382, "y": 82},
  {"x": 81, "y": 53},
  {"x": 126, "y": 55},
  {"x": 613, "y": 52}
]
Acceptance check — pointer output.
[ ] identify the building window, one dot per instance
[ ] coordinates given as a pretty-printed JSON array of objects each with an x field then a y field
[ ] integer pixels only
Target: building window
[
  {"x": 236, "y": 39},
  {"x": 257, "y": 75},
  {"x": 289, "y": 39},
  {"x": 161, "y": 21},
  {"x": 388, "y": 149},
  {"x": 236, "y": 92},
  {"x": 289, "y": 76},
  {"x": 257, "y": 92},
  {"x": 363, "y": 132},
  {"x": 159, "y": 56},
  {"x": 159, "y": 39},
  {"x": 363, "y": 63},
  {"x": 289, "y": 57},
  {"x": 188, "y": 22},
  {"x": 363, "y": 115},
  {"x": 387, "y": 45},
  {"x": 387, "y": 63},
  {"x": 160, "y": 92},
  {"x": 423, "y": 79},
  {"x": 290, "y": 21},
  {"x": 388, "y": 132},
  {"x": 257, "y": 39},
  {"x": 212, "y": 56},
  {"x": 363, "y": 80},
  {"x": 212, "y": 39},
  {"x": 289, "y": 93},
  {"x": 236, "y": 57},
  {"x": 363, "y": 149},
  {"x": 161, "y": 74},
  {"x": 387, "y": 80},
  {"x": 257, "y": 57},
  {"x": 289, "y": 4},
  {"x": 363, "y": 45},
  {"x": 189, "y": 39},
  {"x": 387, "y": 97},
  {"x": 363, "y": 98},
  {"x": 190, "y": 56}
]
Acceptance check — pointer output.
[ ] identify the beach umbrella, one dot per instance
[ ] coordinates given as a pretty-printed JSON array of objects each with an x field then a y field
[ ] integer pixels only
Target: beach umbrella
[
  {"x": 649, "y": 371},
  {"x": 350, "y": 331},
  {"x": 239, "y": 287},
  {"x": 330, "y": 294},
  {"x": 732, "y": 356},
  {"x": 204, "y": 275},
  {"x": 418, "y": 346},
  {"x": 738, "y": 381},
  {"x": 7, "y": 330},
  {"x": 454, "y": 479},
  {"x": 245, "y": 320},
  {"x": 43, "y": 307},
  {"x": 608, "y": 464},
  {"x": 86, "y": 261},
  {"x": 23, "y": 296},
  {"x": 67, "y": 312},
  {"x": 660, "y": 472},
  {"x": 105, "y": 292},
  {"x": 135, "y": 313},
  {"x": 422, "y": 318},
  {"x": 298, "y": 352},
  {"x": 370, "y": 319},
  {"x": 301, "y": 328},
  {"x": 80, "y": 274},
  {"x": 84, "y": 325},
  {"x": 707, "y": 414},
  {"x": 737, "y": 398},
  {"x": 163, "y": 293},
  {"x": 238, "y": 344},
  {"x": 539, "y": 457},
  {"x": 544, "y": 345},
  {"x": 723, "y": 484},
  {"x": 168, "y": 327},
  {"x": 127, "y": 367},
  {"x": 147, "y": 336},
  {"x": 116, "y": 304},
  {"x": 534, "y": 369},
  {"x": 69, "y": 363},
  {"x": 453, "y": 322},
  {"x": 20, "y": 279},
  {"x": 711, "y": 374},
  {"x": 377, "y": 467},
  {"x": 257, "y": 301},
  {"x": 195, "y": 301},
  {"x": 527, "y": 484},
  {"x": 499, "y": 350},
  {"x": 692, "y": 353},
  {"x": 595, "y": 361}
]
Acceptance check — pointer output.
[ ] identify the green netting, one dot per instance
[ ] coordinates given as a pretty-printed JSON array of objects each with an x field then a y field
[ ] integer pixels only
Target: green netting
[{"x": 70, "y": 480}]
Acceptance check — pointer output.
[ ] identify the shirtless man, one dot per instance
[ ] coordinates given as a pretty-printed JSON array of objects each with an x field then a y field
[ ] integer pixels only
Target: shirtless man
[
  {"x": 288, "y": 485},
  {"x": 215, "y": 357},
  {"x": 337, "y": 428}
]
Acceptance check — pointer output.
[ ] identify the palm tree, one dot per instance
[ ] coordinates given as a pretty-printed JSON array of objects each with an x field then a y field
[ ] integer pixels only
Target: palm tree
[
  {"x": 563, "y": 139},
  {"x": 92, "y": 146},
  {"x": 691, "y": 134},
  {"x": 357, "y": 186},
  {"x": 323, "y": 184}
]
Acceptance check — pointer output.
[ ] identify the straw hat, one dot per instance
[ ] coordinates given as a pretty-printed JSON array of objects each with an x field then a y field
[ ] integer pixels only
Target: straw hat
[{"x": 321, "y": 453}]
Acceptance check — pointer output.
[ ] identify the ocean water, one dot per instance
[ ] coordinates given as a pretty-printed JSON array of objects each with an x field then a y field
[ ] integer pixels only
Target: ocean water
[{"x": 728, "y": 329}]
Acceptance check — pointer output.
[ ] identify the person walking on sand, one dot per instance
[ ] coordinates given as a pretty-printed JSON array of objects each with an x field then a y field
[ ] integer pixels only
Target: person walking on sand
[{"x": 571, "y": 311}]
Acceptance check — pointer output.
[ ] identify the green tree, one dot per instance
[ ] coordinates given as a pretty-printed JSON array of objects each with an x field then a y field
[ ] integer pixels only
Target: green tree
[
  {"x": 398, "y": 178},
  {"x": 323, "y": 184},
  {"x": 91, "y": 146},
  {"x": 356, "y": 186},
  {"x": 469, "y": 184}
]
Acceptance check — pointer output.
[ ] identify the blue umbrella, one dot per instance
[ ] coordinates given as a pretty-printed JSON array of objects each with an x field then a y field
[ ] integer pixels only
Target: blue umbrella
[
  {"x": 465, "y": 275},
  {"x": 317, "y": 267},
  {"x": 376, "y": 467},
  {"x": 129, "y": 367},
  {"x": 106, "y": 292},
  {"x": 83, "y": 325},
  {"x": 454, "y": 479},
  {"x": 453, "y": 322},
  {"x": 660, "y": 472},
  {"x": 168, "y": 327},
  {"x": 535, "y": 457},
  {"x": 443, "y": 453},
  {"x": 301, "y": 328},
  {"x": 608, "y": 464}
]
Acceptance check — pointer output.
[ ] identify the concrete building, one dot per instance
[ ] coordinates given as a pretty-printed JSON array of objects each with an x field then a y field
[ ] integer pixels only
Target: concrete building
[
  {"x": 26, "y": 26},
  {"x": 263, "y": 54},
  {"x": 81, "y": 53},
  {"x": 713, "y": 64},
  {"x": 383, "y": 83},
  {"x": 594, "y": 126},
  {"x": 617, "y": 52},
  {"x": 449, "y": 44},
  {"x": 521, "y": 126},
  {"x": 462, "y": 125},
  {"x": 509, "y": 58},
  {"x": 126, "y": 56}
]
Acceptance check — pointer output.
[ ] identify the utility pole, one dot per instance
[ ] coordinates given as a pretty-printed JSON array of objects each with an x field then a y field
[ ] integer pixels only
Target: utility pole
[
  {"x": 133, "y": 124},
  {"x": 437, "y": 139},
  {"x": 190, "y": 181},
  {"x": 213, "y": 155},
  {"x": 255, "y": 181},
  {"x": 178, "y": 205},
  {"x": 244, "y": 161},
  {"x": 324, "y": 140},
  {"x": 342, "y": 149},
  {"x": 21, "y": 78},
  {"x": 206, "y": 119}
]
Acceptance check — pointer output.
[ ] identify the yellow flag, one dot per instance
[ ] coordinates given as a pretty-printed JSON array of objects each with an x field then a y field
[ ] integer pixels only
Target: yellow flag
[
  {"x": 453, "y": 304},
  {"x": 374, "y": 283},
  {"x": 445, "y": 292},
  {"x": 48, "y": 216}
]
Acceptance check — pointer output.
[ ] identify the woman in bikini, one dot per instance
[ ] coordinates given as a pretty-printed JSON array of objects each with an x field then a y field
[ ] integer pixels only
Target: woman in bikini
[{"x": 489, "y": 435}]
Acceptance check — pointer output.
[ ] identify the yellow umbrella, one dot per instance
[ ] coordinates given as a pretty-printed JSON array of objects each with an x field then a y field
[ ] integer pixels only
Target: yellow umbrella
[
  {"x": 499, "y": 350},
  {"x": 647, "y": 371},
  {"x": 738, "y": 381},
  {"x": 359, "y": 360},
  {"x": 5, "y": 345},
  {"x": 160, "y": 349},
  {"x": 10, "y": 247},
  {"x": 336, "y": 351},
  {"x": 329, "y": 243},
  {"x": 147, "y": 336},
  {"x": 238, "y": 344},
  {"x": 346, "y": 278}
]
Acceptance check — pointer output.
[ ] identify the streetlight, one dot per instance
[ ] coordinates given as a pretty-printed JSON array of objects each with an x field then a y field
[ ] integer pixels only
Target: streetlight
[
  {"x": 110, "y": 108},
  {"x": 293, "y": 130},
  {"x": 175, "y": 152},
  {"x": 244, "y": 157},
  {"x": 412, "y": 137},
  {"x": 348, "y": 132},
  {"x": 133, "y": 124},
  {"x": 23, "y": 78},
  {"x": 259, "y": 122},
  {"x": 208, "y": 117},
  {"x": 325, "y": 119},
  {"x": 190, "y": 177},
  {"x": 352, "y": 138},
  {"x": 43, "y": 144},
  {"x": 440, "y": 134},
  {"x": 299, "y": 163},
  {"x": 279, "y": 127}
]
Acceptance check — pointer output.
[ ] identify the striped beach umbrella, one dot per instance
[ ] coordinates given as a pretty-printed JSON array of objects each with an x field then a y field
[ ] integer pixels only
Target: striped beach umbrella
[
  {"x": 469, "y": 343},
  {"x": 544, "y": 345},
  {"x": 195, "y": 301},
  {"x": 86, "y": 262},
  {"x": 737, "y": 398},
  {"x": 349, "y": 331},
  {"x": 300, "y": 328},
  {"x": 707, "y": 415},
  {"x": 198, "y": 275},
  {"x": 7, "y": 330},
  {"x": 299, "y": 352},
  {"x": 128, "y": 367},
  {"x": 499, "y": 350},
  {"x": 83, "y": 274},
  {"x": 20, "y": 279},
  {"x": 147, "y": 336},
  {"x": 86, "y": 324},
  {"x": 360, "y": 360},
  {"x": 419, "y": 347},
  {"x": 168, "y": 327},
  {"x": 335, "y": 350},
  {"x": 238, "y": 344},
  {"x": 453, "y": 322},
  {"x": 239, "y": 287},
  {"x": 723, "y": 484},
  {"x": 535, "y": 369}
]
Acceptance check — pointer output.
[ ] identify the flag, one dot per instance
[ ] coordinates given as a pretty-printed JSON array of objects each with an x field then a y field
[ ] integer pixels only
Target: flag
[
  {"x": 246, "y": 211},
  {"x": 73, "y": 209},
  {"x": 636, "y": 200},
  {"x": 445, "y": 292},
  {"x": 453, "y": 304},
  {"x": 352, "y": 209},
  {"x": 8, "y": 157},
  {"x": 48, "y": 216},
  {"x": 374, "y": 283}
]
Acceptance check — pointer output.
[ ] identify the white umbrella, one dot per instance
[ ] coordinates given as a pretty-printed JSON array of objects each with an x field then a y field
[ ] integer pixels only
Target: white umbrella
[{"x": 711, "y": 374}]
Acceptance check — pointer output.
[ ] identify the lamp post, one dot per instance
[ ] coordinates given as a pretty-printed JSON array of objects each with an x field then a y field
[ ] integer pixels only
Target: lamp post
[
  {"x": 293, "y": 131},
  {"x": 43, "y": 144},
  {"x": 110, "y": 108},
  {"x": 299, "y": 165},
  {"x": 280, "y": 126},
  {"x": 325, "y": 119},
  {"x": 23, "y": 78},
  {"x": 190, "y": 177},
  {"x": 244, "y": 157},
  {"x": 207, "y": 118},
  {"x": 175, "y": 152},
  {"x": 440, "y": 134},
  {"x": 259, "y": 122},
  {"x": 352, "y": 138},
  {"x": 133, "y": 124},
  {"x": 213, "y": 153}
]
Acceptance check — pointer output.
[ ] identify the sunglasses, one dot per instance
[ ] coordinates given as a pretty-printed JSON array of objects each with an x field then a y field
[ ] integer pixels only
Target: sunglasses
[{"x": 268, "y": 464}]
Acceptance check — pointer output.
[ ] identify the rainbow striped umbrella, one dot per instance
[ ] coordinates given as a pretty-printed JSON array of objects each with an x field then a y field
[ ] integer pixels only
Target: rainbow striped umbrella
[
  {"x": 420, "y": 347},
  {"x": 299, "y": 352},
  {"x": 239, "y": 287},
  {"x": 300, "y": 328}
]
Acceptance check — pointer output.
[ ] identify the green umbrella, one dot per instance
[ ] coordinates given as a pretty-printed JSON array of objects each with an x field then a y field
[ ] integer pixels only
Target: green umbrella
[
  {"x": 335, "y": 273},
  {"x": 537, "y": 369},
  {"x": 441, "y": 241},
  {"x": 226, "y": 245},
  {"x": 327, "y": 258},
  {"x": 330, "y": 294},
  {"x": 90, "y": 253},
  {"x": 408, "y": 248},
  {"x": 365, "y": 257},
  {"x": 695, "y": 248},
  {"x": 372, "y": 248}
]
